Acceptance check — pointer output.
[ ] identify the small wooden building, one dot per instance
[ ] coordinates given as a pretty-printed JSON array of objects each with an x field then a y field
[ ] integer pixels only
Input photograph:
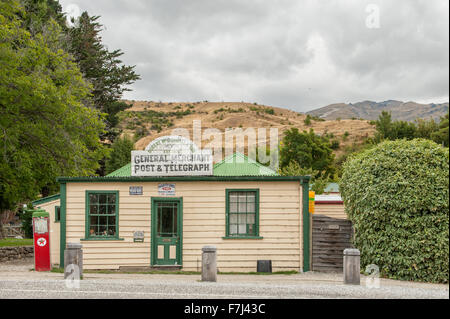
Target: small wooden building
[
  {"x": 330, "y": 203},
  {"x": 245, "y": 209}
]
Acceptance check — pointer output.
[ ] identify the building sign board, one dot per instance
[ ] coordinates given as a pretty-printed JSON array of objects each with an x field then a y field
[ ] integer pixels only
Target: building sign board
[
  {"x": 136, "y": 190},
  {"x": 138, "y": 236},
  {"x": 166, "y": 189},
  {"x": 172, "y": 156}
]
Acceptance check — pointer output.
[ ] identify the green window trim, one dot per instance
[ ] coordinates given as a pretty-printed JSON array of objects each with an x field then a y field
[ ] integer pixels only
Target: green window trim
[
  {"x": 89, "y": 237},
  {"x": 57, "y": 214},
  {"x": 255, "y": 233}
]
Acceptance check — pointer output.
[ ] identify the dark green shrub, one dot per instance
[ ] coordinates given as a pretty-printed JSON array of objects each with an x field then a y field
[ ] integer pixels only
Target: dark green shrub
[
  {"x": 334, "y": 144},
  {"x": 120, "y": 153},
  {"x": 269, "y": 111},
  {"x": 25, "y": 217},
  {"x": 141, "y": 132},
  {"x": 345, "y": 136},
  {"x": 307, "y": 120},
  {"x": 396, "y": 195}
]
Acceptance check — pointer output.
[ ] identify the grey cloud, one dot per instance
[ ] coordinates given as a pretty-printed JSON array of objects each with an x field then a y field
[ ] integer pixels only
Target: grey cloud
[{"x": 295, "y": 54}]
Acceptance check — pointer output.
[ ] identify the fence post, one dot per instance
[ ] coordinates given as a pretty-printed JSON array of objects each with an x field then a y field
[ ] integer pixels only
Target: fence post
[
  {"x": 352, "y": 272},
  {"x": 209, "y": 263}
]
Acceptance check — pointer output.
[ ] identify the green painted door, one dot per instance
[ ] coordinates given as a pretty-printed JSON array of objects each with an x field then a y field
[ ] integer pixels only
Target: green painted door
[{"x": 166, "y": 231}]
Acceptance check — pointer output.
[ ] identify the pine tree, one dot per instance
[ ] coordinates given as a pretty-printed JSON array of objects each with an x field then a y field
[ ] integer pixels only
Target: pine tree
[{"x": 108, "y": 75}]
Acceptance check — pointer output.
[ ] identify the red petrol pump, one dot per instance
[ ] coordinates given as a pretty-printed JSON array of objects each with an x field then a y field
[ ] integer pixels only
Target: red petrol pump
[{"x": 41, "y": 239}]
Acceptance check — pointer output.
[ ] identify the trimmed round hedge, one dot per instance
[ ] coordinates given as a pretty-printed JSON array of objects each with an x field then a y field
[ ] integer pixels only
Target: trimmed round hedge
[{"x": 396, "y": 195}]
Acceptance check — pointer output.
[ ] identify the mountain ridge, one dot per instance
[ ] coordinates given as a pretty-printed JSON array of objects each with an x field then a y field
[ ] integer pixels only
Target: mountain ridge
[{"x": 370, "y": 110}]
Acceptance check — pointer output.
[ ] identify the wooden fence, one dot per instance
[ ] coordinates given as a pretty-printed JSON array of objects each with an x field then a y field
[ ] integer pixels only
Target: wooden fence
[{"x": 330, "y": 236}]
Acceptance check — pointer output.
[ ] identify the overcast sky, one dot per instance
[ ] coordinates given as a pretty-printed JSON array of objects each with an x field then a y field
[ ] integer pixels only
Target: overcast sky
[{"x": 290, "y": 53}]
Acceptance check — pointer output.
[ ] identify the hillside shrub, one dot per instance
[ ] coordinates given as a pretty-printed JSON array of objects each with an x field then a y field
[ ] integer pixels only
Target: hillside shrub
[
  {"x": 335, "y": 144},
  {"x": 307, "y": 120},
  {"x": 269, "y": 111},
  {"x": 396, "y": 195}
]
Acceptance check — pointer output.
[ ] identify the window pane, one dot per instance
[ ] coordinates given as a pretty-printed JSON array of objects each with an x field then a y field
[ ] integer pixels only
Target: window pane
[
  {"x": 111, "y": 230},
  {"x": 93, "y": 226},
  {"x": 111, "y": 220},
  {"x": 102, "y": 198},
  {"x": 242, "y": 213},
  {"x": 102, "y": 220},
  {"x": 111, "y": 198},
  {"x": 93, "y": 220},
  {"x": 111, "y": 209},
  {"x": 93, "y": 198},
  {"x": 102, "y": 209},
  {"x": 102, "y": 231},
  {"x": 93, "y": 209},
  {"x": 167, "y": 219},
  {"x": 233, "y": 197}
]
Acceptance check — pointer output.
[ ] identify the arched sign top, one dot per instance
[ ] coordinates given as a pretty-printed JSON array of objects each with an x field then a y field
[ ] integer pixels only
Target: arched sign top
[
  {"x": 172, "y": 143},
  {"x": 172, "y": 156}
]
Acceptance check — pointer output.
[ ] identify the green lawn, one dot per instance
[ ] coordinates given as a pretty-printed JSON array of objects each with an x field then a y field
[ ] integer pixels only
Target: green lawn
[{"x": 10, "y": 242}]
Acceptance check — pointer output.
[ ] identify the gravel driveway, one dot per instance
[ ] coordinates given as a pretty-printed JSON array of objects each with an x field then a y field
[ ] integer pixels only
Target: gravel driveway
[{"x": 18, "y": 281}]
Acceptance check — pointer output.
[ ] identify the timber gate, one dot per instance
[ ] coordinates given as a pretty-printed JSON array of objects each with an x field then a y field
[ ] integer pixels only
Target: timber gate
[{"x": 330, "y": 236}]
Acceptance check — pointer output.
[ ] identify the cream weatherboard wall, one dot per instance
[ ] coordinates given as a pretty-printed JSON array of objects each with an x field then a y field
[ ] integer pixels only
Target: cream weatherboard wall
[
  {"x": 204, "y": 223},
  {"x": 50, "y": 207},
  {"x": 334, "y": 210}
]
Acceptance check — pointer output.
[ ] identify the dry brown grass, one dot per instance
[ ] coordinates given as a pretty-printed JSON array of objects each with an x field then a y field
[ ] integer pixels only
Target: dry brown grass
[{"x": 283, "y": 119}]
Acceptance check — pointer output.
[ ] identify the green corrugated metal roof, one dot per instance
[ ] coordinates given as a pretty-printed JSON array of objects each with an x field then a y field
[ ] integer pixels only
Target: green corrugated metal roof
[
  {"x": 44, "y": 200},
  {"x": 234, "y": 165},
  {"x": 124, "y": 171},
  {"x": 240, "y": 165}
]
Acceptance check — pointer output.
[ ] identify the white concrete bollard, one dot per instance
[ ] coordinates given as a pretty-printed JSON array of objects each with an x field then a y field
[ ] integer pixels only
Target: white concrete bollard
[
  {"x": 73, "y": 255},
  {"x": 209, "y": 263},
  {"x": 352, "y": 272}
]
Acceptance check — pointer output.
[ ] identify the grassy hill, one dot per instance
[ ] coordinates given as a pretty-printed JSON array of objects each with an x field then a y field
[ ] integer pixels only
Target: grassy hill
[{"x": 149, "y": 120}]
